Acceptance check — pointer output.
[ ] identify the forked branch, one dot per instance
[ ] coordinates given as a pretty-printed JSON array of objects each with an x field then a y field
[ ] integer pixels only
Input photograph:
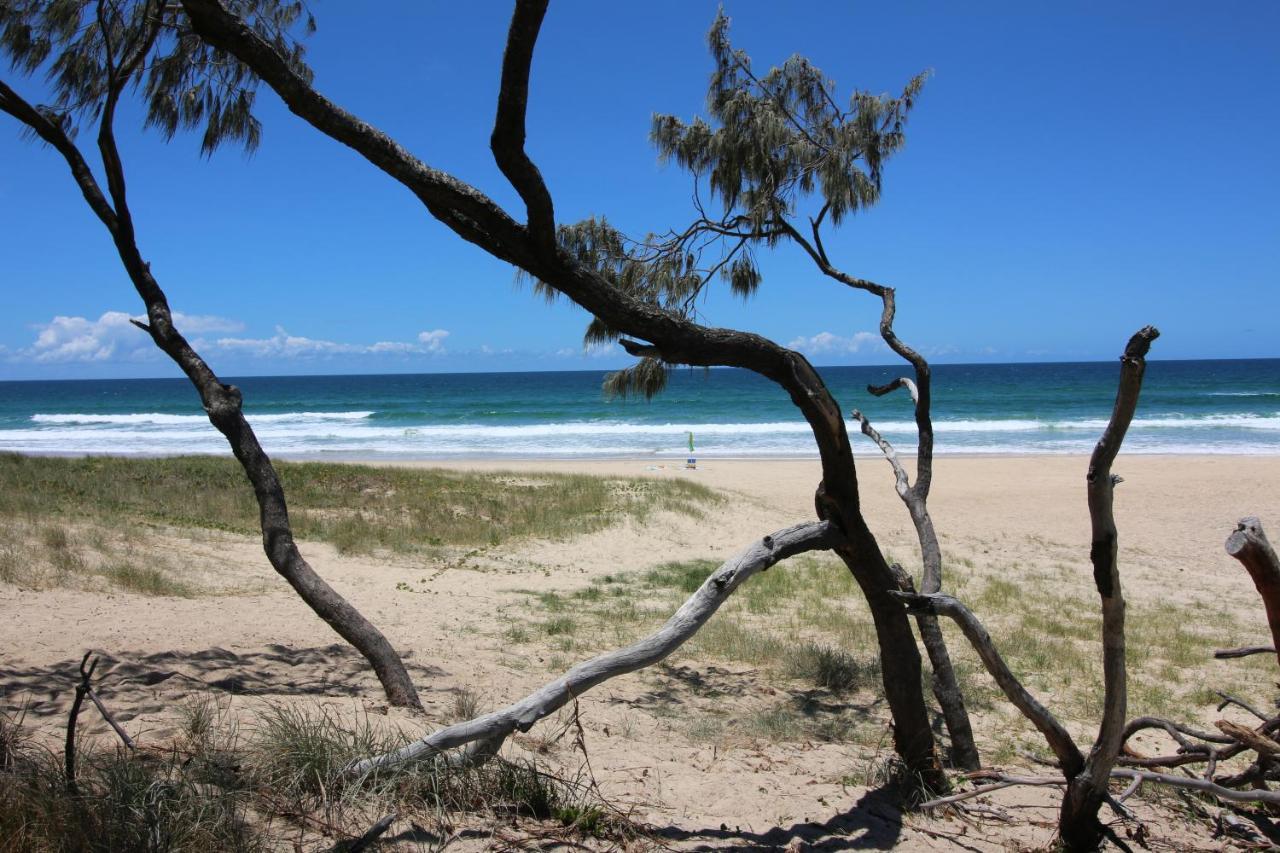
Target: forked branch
[{"x": 939, "y": 604}]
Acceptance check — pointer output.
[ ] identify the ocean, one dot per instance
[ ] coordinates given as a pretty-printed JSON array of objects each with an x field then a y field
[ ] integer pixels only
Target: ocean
[{"x": 1186, "y": 407}]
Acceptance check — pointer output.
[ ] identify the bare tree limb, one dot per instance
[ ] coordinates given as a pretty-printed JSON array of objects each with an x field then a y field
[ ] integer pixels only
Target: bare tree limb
[
  {"x": 900, "y": 382},
  {"x": 1243, "y": 652},
  {"x": 1068, "y": 754},
  {"x": 111, "y": 720},
  {"x": 686, "y": 621},
  {"x": 1137, "y": 776},
  {"x": 508, "y": 136},
  {"x": 73, "y": 716},
  {"x": 1004, "y": 781},
  {"x": 371, "y": 835},
  {"x": 1228, "y": 699},
  {"x": 1078, "y": 824},
  {"x": 902, "y": 484}
]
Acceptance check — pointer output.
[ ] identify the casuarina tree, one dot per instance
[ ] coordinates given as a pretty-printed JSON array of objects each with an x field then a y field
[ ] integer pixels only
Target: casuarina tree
[{"x": 636, "y": 302}]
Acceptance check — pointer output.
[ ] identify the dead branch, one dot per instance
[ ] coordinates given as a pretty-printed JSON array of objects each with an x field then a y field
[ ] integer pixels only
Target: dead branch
[
  {"x": 1228, "y": 699},
  {"x": 1249, "y": 545},
  {"x": 1254, "y": 740},
  {"x": 370, "y": 835},
  {"x": 1068, "y": 754},
  {"x": 1002, "y": 781},
  {"x": 1138, "y": 777},
  {"x": 1244, "y": 652},
  {"x": 697, "y": 609},
  {"x": 85, "y": 689},
  {"x": 82, "y": 688}
]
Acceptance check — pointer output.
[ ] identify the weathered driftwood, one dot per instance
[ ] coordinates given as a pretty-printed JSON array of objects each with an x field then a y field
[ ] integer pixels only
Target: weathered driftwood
[
  {"x": 370, "y": 836},
  {"x": 1135, "y": 776},
  {"x": 491, "y": 729},
  {"x": 84, "y": 689},
  {"x": 1255, "y": 740},
  {"x": 73, "y": 716},
  {"x": 1249, "y": 545}
]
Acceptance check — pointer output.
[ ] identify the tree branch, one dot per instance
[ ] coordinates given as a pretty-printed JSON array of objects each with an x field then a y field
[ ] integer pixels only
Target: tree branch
[
  {"x": 1140, "y": 776},
  {"x": 1068, "y": 754},
  {"x": 901, "y": 482},
  {"x": 222, "y": 403},
  {"x": 900, "y": 382},
  {"x": 1103, "y": 554},
  {"x": 1244, "y": 652},
  {"x": 507, "y": 141},
  {"x": 686, "y": 621}
]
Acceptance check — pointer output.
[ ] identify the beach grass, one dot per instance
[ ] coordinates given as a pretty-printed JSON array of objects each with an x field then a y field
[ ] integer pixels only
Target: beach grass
[
  {"x": 356, "y": 507},
  {"x": 63, "y": 518},
  {"x": 274, "y": 782},
  {"x": 804, "y": 632}
]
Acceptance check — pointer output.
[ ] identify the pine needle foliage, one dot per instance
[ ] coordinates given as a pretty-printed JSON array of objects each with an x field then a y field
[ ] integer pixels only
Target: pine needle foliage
[
  {"x": 769, "y": 146},
  {"x": 87, "y": 48}
]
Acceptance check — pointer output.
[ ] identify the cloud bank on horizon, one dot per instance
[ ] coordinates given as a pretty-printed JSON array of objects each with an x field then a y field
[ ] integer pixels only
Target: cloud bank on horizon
[{"x": 113, "y": 339}]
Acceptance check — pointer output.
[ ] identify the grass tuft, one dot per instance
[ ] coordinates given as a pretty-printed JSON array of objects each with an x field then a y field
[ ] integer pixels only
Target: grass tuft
[{"x": 356, "y": 508}]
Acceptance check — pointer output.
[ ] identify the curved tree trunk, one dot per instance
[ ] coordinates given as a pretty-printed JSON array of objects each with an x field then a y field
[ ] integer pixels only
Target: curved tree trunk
[
  {"x": 533, "y": 248},
  {"x": 221, "y": 402}
]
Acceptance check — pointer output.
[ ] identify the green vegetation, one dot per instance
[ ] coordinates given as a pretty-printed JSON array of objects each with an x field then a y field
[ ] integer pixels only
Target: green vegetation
[
  {"x": 355, "y": 507},
  {"x": 804, "y": 624},
  {"x": 38, "y": 553},
  {"x": 276, "y": 785},
  {"x": 71, "y": 521}
]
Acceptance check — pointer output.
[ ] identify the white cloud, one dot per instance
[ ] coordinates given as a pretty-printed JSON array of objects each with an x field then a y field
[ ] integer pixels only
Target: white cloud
[
  {"x": 111, "y": 337},
  {"x": 826, "y": 343},
  {"x": 284, "y": 345},
  {"x": 433, "y": 340}
]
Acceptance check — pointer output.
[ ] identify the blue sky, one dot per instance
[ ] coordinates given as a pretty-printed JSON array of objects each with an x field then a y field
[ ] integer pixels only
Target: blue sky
[{"x": 1072, "y": 172}]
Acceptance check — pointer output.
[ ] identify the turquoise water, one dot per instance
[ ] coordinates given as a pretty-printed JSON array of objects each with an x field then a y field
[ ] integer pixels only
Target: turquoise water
[{"x": 1186, "y": 407}]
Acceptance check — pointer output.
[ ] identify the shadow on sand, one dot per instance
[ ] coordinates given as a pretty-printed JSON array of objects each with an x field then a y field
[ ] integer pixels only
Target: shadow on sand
[{"x": 323, "y": 671}]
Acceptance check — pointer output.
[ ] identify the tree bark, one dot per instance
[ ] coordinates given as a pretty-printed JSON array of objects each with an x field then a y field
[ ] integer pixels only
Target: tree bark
[
  {"x": 1078, "y": 825},
  {"x": 1250, "y": 546}
]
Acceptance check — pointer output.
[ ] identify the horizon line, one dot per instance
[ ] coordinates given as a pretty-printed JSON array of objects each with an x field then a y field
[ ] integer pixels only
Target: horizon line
[{"x": 610, "y": 370}]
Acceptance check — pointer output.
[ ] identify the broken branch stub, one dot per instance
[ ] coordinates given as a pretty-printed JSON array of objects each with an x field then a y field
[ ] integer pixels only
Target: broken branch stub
[{"x": 1250, "y": 546}]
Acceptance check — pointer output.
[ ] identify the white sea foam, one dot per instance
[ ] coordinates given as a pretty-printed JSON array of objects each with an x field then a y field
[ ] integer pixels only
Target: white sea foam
[{"x": 359, "y": 433}]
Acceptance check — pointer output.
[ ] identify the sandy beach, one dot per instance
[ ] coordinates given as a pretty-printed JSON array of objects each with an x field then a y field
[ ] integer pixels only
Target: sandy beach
[{"x": 1019, "y": 519}]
